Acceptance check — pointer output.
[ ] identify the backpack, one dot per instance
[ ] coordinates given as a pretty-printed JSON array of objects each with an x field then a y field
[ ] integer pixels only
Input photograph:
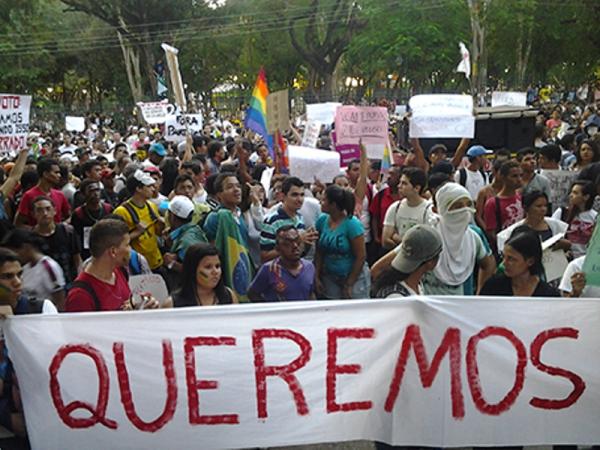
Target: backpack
[
  {"x": 135, "y": 264},
  {"x": 134, "y": 215},
  {"x": 462, "y": 176},
  {"x": 35, "y": 305},
  {"x": 87, "y": 287}
]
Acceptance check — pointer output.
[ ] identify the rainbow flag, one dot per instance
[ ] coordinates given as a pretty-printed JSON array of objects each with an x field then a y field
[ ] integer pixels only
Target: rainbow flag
[
  {"x": 256, "y": 114},
  {"x": 386, "y": 162}
]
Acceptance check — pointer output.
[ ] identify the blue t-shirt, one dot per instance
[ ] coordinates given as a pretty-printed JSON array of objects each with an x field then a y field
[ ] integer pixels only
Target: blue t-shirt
[
  {"x": 276, "y": 284},
  {"x": 335, "y": 245}
]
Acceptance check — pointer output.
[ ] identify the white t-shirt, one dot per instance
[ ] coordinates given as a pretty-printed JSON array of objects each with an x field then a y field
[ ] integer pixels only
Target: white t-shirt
[
  {"x": 43, "y": 279},
  {"x": 67, "y": 149},
  {"x": 474, "y": 183},
  {"x": 403, "y": 217},
  {"x": 565, "y": 284}
]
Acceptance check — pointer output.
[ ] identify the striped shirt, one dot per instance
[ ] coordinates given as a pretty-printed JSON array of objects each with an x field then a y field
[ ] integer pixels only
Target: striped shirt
[{"x": 273, "y": 222}]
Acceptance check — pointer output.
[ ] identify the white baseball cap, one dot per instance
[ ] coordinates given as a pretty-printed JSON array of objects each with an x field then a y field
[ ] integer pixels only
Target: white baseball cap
[
  {"x": 144, "y": 178},
  {"x": 181, "y": 206}
]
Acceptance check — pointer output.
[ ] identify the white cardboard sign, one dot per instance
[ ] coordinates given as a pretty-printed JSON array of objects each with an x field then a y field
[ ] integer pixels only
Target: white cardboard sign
[
  {"x": 14, "y": 121},
  {"x": 309, "y": 163},
  {"x": 149, "y": 283},
  {"x": 442, "y": 116},
  {"x": 75, "y": 123},
  {"x": 505, "y": 98},
  {"x": 322, "y": 112},
  {"x": 175, "y": 126},
  {"x": 155, "y": 112},
  {"x": 311, "y": 133},
  {"x": 427, "y": 371}
]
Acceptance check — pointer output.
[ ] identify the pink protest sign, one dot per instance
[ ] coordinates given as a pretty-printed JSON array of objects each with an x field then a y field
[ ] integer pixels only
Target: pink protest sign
[
  {"x": 348, "y": 152},
  {"x": 369, "y": 123}
]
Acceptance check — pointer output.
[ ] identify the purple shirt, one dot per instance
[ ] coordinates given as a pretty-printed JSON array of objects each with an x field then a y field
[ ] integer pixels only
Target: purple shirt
[{"x": 276, "y": 284}]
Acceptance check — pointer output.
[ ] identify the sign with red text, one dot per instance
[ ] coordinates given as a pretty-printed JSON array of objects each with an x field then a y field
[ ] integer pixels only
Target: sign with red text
[
  {"x": 14, "y": 121},
  {"x": 155, "y": 112},
  {"x": 369, "y": 123},
  {"x": 437, "y": 372}
]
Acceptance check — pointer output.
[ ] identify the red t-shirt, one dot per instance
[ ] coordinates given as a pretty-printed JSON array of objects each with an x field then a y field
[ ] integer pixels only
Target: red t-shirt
[
  {"x": 511, "y": 211},
  {"x": 379, "y": 206},
  {"x": 111, "y": 296},
  {"x": 61, "y": 204}
]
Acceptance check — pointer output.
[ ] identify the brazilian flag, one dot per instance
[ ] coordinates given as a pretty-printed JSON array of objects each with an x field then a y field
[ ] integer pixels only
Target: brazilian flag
[{"x": 235, "y": 258}]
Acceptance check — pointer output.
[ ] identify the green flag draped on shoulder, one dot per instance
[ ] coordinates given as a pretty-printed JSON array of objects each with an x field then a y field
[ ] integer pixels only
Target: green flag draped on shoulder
[{"x": 235, "y": 258}]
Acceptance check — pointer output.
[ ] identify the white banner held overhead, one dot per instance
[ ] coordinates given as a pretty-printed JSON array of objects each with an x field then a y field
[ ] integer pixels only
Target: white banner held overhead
[
  {"x": 155, "y": 112},
  {"x": 14, "y": 121},
  {"x": 309, "y": 163},
  {"x": 505, "y": 98},
  {"x": 322, "y": 112},
  {"x": 75, "y": 123},
  {"x": 175, "y": 75},
  {"x": 438, "y": 372},
  {"x": 442, "y": 116}
]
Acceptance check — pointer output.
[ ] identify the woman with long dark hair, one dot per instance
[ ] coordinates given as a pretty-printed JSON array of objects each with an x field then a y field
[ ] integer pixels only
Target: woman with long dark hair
[
  {"x": 201, "y": 279},
  {"x": 523, "y": 270},
  {"x": 340, "y": 259},
  {"x": 587, "y": 153},
  {"x": 579, "y": 216}
]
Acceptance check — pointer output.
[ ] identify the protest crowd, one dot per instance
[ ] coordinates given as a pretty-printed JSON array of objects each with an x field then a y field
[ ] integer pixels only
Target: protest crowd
[{"x": 223, "y": 219}]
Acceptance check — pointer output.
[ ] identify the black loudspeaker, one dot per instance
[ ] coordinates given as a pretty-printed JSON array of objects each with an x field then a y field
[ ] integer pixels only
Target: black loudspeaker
[{"x": 511, "y": 133}]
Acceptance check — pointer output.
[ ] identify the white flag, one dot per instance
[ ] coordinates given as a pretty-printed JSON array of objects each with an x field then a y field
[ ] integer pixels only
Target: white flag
[
  {"x": 465, "y": 63},
  {"x": 176, "y": 83}
]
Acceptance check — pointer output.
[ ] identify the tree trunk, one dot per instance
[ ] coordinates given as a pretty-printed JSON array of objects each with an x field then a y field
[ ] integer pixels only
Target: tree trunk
[{"x": 132, "y": 67}]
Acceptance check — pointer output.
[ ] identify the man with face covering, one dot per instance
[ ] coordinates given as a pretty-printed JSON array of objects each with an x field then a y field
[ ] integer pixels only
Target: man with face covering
[{"x": 462, "y": 247}]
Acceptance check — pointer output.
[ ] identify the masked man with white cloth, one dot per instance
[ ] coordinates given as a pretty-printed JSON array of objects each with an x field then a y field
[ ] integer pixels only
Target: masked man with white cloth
[{"x": 462, "y": 248}]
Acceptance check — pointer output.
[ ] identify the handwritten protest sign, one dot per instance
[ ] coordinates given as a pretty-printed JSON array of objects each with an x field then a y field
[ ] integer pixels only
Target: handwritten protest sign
[
  {"x": 311, "y": 133},
  {"x": 149, "y": 283},
  {"x": 441, "y": 116},
  {"x": 155, "y": 112},
  {"x": 322, "y": 112},
  {"x": 74, "y": 123},
  {"x": 554, "y": 261},
  {"x": 505, "y": 98},
  {"x": 560, "y": 186},
  {"x": 369, "y": 123},
  {"x": 436, "y": 372},
  {"x": 591, "y": 264},
  {"x": 278, "y": 112},
  {"x": 308, "y": 163},
  {"x": 14, "y": 121},
  {"x": 175, "y": 126}
]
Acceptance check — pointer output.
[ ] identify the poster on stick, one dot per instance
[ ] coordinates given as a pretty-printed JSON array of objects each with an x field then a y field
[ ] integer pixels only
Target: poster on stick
[
  {"x": 155, "y": 112},
  {"x": 278, "y": 112},
  {"x": 176, "y": 127},
  {"x": 422, "y": 371},
  {"x": 441, "y": 116},
  {"x": 369, "y": 123},
  {"x": 311, "y": 133},
  {"x": 14, "y": 121}
]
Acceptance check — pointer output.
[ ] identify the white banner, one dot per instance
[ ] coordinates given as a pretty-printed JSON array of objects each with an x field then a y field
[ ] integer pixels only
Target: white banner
[
  {"x": 310, "y": 163},
  {"x": 14, "y": 121},
  {"x": 155, "y": 112},
  {"x": 322, "y": 112},
  {"x": 75, "y": 123},
  {"x": 441, "y": 116},
  {"x": 175, "y": 126},
  {"x": 505, "y": 98},
  {"x": 438, "y": 372}
]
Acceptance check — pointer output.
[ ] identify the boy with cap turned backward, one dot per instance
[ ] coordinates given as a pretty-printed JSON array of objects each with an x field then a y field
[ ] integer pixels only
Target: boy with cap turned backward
[
  {"x": 183, "y": 232},
  {"x": 402, "y": 269}
]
